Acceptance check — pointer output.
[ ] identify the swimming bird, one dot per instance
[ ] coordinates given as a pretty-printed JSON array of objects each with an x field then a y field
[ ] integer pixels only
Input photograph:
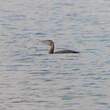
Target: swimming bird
[{"x": 51, "y": 45}]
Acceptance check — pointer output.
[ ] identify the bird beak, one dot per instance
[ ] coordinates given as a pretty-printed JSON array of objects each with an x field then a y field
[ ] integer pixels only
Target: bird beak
[{"x": 45, "y": 42}]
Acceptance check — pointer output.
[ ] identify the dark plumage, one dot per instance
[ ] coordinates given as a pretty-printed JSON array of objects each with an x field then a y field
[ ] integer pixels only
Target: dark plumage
[{"x": 50, "y": 43}]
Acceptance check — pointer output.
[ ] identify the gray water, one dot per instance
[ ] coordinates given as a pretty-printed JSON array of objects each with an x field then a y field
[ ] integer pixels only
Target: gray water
[{"x": 31, "y": 79}]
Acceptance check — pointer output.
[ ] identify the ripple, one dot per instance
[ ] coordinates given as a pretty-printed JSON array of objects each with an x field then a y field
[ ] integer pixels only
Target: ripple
[{"x": 34, "y": 79}]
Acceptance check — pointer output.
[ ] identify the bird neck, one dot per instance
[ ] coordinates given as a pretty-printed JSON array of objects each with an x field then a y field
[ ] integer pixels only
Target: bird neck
[{"x": 51, "y": 50}]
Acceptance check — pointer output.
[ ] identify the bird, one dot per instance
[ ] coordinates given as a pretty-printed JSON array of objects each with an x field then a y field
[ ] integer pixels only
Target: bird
[{"x": 51, "y": 45}]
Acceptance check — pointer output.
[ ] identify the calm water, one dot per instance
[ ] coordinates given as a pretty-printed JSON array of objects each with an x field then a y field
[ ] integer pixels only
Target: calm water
[{"x": 30, "y": 79}]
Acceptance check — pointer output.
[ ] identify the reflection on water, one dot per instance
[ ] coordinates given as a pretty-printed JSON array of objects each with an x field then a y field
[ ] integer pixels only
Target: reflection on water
[{"x": 30, "y": 79}]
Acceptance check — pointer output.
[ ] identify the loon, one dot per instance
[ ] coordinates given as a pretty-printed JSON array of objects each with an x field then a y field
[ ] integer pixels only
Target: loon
[{"x": 51, "y": 45}]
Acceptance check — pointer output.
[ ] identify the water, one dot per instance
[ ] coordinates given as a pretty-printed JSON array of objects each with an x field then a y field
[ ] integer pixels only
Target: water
[{"x": 31, "y": 79}]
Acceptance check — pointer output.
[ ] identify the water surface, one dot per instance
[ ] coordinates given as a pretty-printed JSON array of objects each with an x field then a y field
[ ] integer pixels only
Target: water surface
[{"x": 31, "y": 79}]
